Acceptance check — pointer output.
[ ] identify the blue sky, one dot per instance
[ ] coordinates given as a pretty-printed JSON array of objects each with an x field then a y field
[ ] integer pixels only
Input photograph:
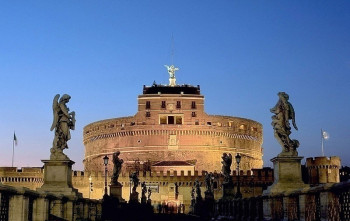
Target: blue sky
[{"x": 241, "y": 53}]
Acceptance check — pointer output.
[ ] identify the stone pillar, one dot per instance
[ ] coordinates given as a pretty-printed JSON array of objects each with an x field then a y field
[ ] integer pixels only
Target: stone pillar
[
  {"x": 57, "y": 208},
  {"x": 330, "y": 208},
  {"x": 287, "y": 175},
  {"x": 302, "y": 206},
  {"x": 41, "y": 209},
  {"x": 58, "y": 178},
  {"x": 69, "y": 210},
  {"x": 267, "y": 208},
  {"x": 18, "y": 208},
  {"x": 228, "y": 191},
  {"x": 116, "y": 191},
  {"x": 86, "y": 210},
  {"x": 134, "y": 197}
]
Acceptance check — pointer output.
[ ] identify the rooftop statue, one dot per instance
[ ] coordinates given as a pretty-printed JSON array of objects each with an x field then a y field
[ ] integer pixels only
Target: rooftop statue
[
  {"x": 117, "y": 162},
  {"x": 149, "y": 193},
  {"x": 63, "y": 122},
  {"x": 193, "y": 191},
  {"x": 135, "y": 180},
  {"x": 284, "y": 112},
  {"x": 143, "y": 190},
  {"x": 171, "y": 70},
  {"x": 226, "y": 167},
  {"x": 209, "y": 182},
  {"x": 198, "y": 190}
]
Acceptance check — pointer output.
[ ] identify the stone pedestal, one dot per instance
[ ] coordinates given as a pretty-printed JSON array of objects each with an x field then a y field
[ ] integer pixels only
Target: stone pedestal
[
  {"x": 228, "y": 191},
  {"x": 58, "y": 178},
  {"x": 208, "y": 196},
  {"x": 116, "y": 191},
  {"x": 287, "y": 175},
  {"x": 134, "y": 197}
]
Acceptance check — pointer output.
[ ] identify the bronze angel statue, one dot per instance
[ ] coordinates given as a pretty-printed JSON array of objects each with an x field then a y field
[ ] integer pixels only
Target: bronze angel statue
[
  {"x": 284, "y": 112},
  {"x": 171, "y": 70},
  {"x": 63, "y": 122}
]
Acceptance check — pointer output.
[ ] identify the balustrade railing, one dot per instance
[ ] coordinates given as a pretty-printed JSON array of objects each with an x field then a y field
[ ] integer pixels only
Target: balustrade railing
[
  {"x": 22, "y": 204},
  {"x": 324, "y": 202}
]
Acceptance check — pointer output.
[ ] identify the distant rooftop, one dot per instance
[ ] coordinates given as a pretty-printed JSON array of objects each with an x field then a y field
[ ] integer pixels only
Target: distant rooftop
[{"x": 166, "y": 89}]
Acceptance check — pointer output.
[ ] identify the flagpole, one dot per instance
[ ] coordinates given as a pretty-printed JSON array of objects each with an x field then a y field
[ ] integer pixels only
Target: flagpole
[
  {"x": 13, "y": 151},
  {"x": 322, "y": 142}
]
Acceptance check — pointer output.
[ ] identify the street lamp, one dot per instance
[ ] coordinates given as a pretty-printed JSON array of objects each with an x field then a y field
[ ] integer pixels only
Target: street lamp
[
  {"x": 105, "y": 161},
  {"x": 90, "y": 186},
  {"x": 238, "y": 160},
  {"x": 130, "y": 183}
]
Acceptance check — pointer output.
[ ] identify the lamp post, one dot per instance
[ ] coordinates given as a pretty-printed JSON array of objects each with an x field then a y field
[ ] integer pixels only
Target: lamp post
[
  {"x": 130, "y": 184},
  {"x": 90, "y": 186},
  {"x": 238, "y": 160},
  {"x": 105, "y": 161}
]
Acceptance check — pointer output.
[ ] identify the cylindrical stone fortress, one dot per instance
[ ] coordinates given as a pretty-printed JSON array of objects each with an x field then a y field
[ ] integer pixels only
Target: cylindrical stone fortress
[{"x": 171, "y": 125}]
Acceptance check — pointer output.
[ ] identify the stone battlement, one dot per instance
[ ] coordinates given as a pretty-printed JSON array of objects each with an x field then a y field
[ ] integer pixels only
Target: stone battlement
[
  {"x": 323, "y": 169},
  {"x": 323, "y": 162},
  {"x": 25, "y": 174}
]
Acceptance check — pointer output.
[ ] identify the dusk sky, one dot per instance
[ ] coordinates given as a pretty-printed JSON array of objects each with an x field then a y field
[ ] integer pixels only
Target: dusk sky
[{"x": 241, "y": 53}]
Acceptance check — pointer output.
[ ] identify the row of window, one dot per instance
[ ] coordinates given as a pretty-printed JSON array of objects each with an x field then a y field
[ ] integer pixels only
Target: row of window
[
  {"x": 148, "y": 114},
  {"x": 178, "y": 104}
]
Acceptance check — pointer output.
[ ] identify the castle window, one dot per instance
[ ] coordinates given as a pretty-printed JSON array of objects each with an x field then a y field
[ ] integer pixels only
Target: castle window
[
  {"x": 162, "y": 120},
  {"x": 132, "y": 123},
  {"x": 193, "y": 106},
  {"x": 148, "y": 104},
  {"x": 209, "y": 123},
  {"x": 163, "y": 104},
  {"x": 170, "y": 119},
  {"x": 193, "y": 114},
  {"x": 178, "y": 120},
  {"x": 148, "y": 114},
  {"x": 254, "y": 129},
  {"x": 242, "y": 127},
  {"x": 197, "y": 122},
  {"x": 178, "y": 104}
]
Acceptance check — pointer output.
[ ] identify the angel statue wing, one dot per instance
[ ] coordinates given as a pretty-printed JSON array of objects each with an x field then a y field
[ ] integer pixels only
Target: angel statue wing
[
  {"x": 55, "y": 109},
  {"x": 291, "y": 115},
  {"x": 167, "y": 67}
]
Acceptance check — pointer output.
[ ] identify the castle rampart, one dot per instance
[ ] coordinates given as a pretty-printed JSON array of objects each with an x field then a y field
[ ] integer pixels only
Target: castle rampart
[{"x": 323, "y": 169}]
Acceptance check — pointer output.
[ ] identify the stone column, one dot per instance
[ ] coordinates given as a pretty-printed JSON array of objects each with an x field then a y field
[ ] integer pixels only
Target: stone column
[
  {"x": 41, "y": 209},
  {"x": 302, "y": 206},
  {"x": 69, "y": 210},
  {"x": 267, "y": 208},
  {"x": 18, "y": 208},
  {"x": 330, "y": 208},
  {"x": 57, "y": 208},
  {"x": 86, "y": 210}
]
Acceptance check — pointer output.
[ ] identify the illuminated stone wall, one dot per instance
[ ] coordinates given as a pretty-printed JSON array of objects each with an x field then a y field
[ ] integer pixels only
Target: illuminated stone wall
[
  {"x": 163, "y": 184},
  {"x": 323, "y": 169},
  {"x": 186, "y": 134}
]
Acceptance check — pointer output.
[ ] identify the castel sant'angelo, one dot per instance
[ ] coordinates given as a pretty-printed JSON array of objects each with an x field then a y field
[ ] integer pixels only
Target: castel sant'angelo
[
  {"x": 172, "y": 143},
  {"x": 171, "y": 131}
]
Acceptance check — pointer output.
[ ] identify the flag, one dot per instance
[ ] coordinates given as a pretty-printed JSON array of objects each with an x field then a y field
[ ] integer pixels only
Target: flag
[
  {"x": 325, "y": 135},
  {"x": 14, "y": 138}
]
